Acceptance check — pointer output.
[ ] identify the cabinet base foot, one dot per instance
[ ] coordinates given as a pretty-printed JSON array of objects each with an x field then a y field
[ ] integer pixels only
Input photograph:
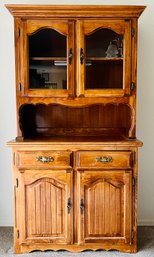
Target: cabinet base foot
[{"x": 75, "y": 248}]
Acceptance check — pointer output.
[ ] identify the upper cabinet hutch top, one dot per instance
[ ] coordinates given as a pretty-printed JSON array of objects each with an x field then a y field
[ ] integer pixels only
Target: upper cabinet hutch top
[{"x": 70, "y": 58}]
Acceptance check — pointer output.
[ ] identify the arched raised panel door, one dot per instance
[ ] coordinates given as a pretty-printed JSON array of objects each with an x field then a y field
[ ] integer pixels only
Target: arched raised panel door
[
  {"x": 104, "y": 58},
  {"x": 47, "y": 68},
  {"x": 104, "y": 207},
  {"x": 45, "y": 217}
]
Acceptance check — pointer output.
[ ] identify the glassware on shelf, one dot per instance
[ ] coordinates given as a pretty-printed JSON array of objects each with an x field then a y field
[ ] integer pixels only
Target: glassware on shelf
[{"x": 114, "y": 49}]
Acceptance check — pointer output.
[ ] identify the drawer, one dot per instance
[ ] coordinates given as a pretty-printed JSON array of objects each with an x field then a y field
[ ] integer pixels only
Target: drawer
[
  {"x": 43, "y": 159},
  {"x": 104, "y": 159}
]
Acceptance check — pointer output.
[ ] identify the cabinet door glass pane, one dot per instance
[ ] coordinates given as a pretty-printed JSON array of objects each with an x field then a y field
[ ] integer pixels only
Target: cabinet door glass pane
[
  {"x": 104, "y": 60},
  {"x": 47, "y": 60}
]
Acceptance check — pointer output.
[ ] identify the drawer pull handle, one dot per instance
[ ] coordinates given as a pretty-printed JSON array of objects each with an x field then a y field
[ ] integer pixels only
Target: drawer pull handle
[
  {"x": 104, "y": 159},
  {"x": 44, "y": 159}
]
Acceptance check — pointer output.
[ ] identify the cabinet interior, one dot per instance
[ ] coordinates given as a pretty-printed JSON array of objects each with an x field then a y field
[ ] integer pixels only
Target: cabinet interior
[
  {"x": 47, "y": 60},
  {"x": 103, "y": 56},
  {"x": 42, "y": 120}
]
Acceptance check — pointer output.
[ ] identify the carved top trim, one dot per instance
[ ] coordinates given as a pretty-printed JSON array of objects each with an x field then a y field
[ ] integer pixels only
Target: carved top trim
[{"x": 89, "y": 11}]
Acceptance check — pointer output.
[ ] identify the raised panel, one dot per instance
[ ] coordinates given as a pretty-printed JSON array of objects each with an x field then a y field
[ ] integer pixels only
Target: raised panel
[
  {"x": 107, "y": 206},
  {"x": 115, "y": 25},
  {"x": 34, "y": 25},
  {"x": 104, "y": 209},
  {"x": 45, "y": 207}
]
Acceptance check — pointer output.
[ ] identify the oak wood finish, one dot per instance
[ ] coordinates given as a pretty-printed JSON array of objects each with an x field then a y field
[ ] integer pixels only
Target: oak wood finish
[
  {"x": 112, "y": 11},
  {"x": 117, "y": 182},
  {"x": 75, "y": 158},
  {"x": 43, "y": 159},
  {"x": 106, "y": 198},
  {"x": 63, "y": 120},
  {"x": 104, "y": 159}
]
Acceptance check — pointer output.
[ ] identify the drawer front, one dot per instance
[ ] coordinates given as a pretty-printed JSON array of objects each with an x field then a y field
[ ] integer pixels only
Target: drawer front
[
  {"x": 104, "y": 159},
  {"x": 43, "y": 159}
]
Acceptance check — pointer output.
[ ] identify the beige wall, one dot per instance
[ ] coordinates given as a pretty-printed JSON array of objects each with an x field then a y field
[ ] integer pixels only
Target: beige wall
[{"x": 145, "y": 105}]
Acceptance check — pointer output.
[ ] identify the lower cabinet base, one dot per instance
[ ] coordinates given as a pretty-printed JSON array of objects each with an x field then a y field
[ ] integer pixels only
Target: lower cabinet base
[
  {"x": 75, "y": 248},
  {"x": 75, "y": 199}
]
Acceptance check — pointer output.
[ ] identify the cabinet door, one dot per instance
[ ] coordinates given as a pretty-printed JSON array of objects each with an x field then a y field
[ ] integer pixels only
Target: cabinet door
[
  {"x": 104, "y": 57},
  {"x": 45, "y": 207},
  {"x": 47, "y": 61},
  {"x": 104, "y": 206}
]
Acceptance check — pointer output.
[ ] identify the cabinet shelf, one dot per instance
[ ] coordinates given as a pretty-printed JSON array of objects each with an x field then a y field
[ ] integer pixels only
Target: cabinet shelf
[
  {"x": 48, "y": 58},
  {"x": 104, "y": 59}
]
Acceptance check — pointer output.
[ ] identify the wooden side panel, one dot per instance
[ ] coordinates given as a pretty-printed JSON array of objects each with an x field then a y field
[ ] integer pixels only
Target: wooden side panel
[{"x": 107, "y": 205}]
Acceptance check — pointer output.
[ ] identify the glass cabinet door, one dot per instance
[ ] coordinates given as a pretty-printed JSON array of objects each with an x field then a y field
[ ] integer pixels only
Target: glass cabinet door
[
  {"x": 104, "y": 58},
  {"x": 48, "y": 58}
]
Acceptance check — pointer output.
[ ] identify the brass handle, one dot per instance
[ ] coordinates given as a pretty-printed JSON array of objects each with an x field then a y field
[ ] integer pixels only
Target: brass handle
[
  {"x": 70, "y": 56},
  {"x": 104, "y": 159},
  {"x": 44, "y": 159},
  {"x": 82, "y": 206},
  {"x": 69, "y": 205},
  {"x": 81, "y": 55}
]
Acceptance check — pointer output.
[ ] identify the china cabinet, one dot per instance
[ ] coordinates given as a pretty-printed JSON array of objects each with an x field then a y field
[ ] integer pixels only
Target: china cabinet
[{"x": 75, "y": 157}]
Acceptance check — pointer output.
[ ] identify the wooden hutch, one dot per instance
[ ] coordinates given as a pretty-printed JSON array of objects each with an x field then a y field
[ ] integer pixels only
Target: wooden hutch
[{"x": 75, "y": 157}]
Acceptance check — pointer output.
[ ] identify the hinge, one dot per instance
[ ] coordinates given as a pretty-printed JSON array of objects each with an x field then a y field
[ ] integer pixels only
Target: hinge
[
  {"x": 132, "y": 236},
  {"x": 69, "y": 205},
  {"x": 132, "y": 86},
  {"x": 68, "y": 170},
  {"x": 82, "y": 95},
  {"x": 17, "y": 182},
  {"x": 133, "y": 181},
  {"x": 71, "y": 159},
  {"x": 14, "y": 157},
  {"x": 133, "y": 32},
  {"x": 18, "y": 32},
  {"x": 18, "y": 234},
  {"x": 82, "y": 206},
  {"x": 20, "y": 87},
  {"x": 133, "y": 158}
]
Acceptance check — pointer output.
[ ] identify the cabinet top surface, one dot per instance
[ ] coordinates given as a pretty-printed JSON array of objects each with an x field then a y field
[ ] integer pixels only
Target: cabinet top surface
[
  {"x": 78, "y": 141},
  {"x": 75, "y": 10}
]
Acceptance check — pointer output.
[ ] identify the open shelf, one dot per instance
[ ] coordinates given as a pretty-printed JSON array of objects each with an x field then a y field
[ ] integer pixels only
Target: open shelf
[{"x": 57, "y": 120}]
